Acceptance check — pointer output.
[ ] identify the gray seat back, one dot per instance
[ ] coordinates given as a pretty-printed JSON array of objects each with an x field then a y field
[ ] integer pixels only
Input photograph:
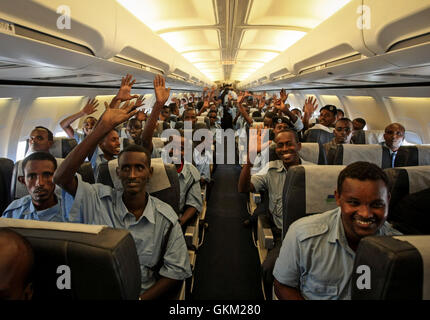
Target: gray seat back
[
  {"x": 303, "y": 196},
  {"x": 60, "y": 148},
  {"x": 398, "y": 268},
  {"x": 103, "y": 265},
  {"x": 350, "y": 153},
  {"x": 408, "y": 156},
  {"x": 318, "y": 135}
]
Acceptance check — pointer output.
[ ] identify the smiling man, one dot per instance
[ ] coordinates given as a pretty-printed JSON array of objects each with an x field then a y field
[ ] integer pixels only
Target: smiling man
[
  {"x": 301, "y": 272},
  {"x": 394, "y": 136},
  {"x": 42, "y": 203},
  {"x": 271, "y": 179}
]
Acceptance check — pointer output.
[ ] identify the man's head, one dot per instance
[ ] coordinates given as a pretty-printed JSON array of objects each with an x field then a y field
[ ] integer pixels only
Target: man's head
[
  {"x": 88, "y": 125},
  {"x": 190, "y": 115},
  {"x": 288, "y": 147},
  {"x": 38, "y": 169},
  {"x": 363, "y": 197},
  {"x": 281, "y": 124},
  {"x": 297, "y": 113},
  {"x": 340, "y": 114},
  {"x": 110, "y": 145},
  {"x": 343, "y": 131},
  {"x": 41, "y": 139},
  {"x": 165, "y": 113},
  {"x": 174, "y": 109},
  {"x": 134, "y": 169},
  {"x": 213, "y": 117},
  {"x": 269, "y": 120},
  {"x": 134, "y": 128},
  {"x": 358, "y": 124},
  {"x": 328, "y": 115},
  {"x": 16, "y": 266},
  {"x": 394, "y": 136}
]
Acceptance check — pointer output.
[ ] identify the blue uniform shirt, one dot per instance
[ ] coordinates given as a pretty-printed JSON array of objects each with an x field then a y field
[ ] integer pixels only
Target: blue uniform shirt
[
  {"x": 103, "y": 205},
  {"x": 23, "y": 208},
  {"x": 189, "y": 179},
  {"x": 315, "y": 257}
]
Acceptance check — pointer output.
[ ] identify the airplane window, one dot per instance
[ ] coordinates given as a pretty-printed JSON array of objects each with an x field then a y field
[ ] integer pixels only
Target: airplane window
[{"x": 20, "y": 153}]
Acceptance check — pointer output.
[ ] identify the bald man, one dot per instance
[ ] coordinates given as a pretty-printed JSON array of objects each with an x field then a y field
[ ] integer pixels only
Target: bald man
[
  {"x": 16, "y": 265},
  {"x": 393, "y": 138}
]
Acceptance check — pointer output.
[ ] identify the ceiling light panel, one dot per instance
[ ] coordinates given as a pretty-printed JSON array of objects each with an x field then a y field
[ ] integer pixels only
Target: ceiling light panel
[
  {"x": 262, "y": 56},
  {"x": 299, "y": 14},
  {"x": 166, "y": 14},
  {"x": 276, "y": 40},
  {"x": 194, "y": 57},
  {"x": 192, "y": 40}
]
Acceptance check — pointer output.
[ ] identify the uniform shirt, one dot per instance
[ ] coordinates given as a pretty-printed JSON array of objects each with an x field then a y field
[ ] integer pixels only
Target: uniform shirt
[
  {"x": 272, "y": 178},
  {"x": 189, "y": 179},
  {"x": 324, "y": 273},
  {"x": 102, "y": 205},
  {"x": 203, "y": 162},
  {"x": 23, "y": 208},
  {"x": 393, "y": 154},
  {"x": 96, "y": 159}
]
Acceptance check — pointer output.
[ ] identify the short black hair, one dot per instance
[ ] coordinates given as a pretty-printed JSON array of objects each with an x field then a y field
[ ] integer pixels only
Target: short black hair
[
  {"x": 270, "y": 115},
  {"x": 24, "y": 244},
  {"x": 256, "y": 114},
  {"x": 136, "y": 148},
  {"x": 40, "y": 155},
  {"x": 50, "y": 135},
  {"x": 344, "y": 119},
  {"x": 296, "y": 137},
  {"x": 362, "y": 171}
]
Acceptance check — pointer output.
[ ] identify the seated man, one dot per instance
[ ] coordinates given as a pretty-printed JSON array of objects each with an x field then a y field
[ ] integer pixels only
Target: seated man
[
  {"x": 394, "y": 136},
  {"x": 153, "y": 224},
  {"x": 272, "y": 180},
  {"x": 301, "y": 272},
  {"x": 42, "y": 203},
  {"x": 41, "y": 139},
  {"x": 358, "y": 124},
  {"x": 16, "y": 266},
  {"x": 342, "y": 135},
  {"x": 89, "y": 122}
]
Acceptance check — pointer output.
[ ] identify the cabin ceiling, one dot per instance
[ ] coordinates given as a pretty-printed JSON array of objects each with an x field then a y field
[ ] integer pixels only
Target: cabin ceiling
[{"x": 228, "y": 40}]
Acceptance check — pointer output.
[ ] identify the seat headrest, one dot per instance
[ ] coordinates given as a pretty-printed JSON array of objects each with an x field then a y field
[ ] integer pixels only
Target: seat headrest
[
  {"x": 399, "y": 268},
  {"x": 318, "y": 135},
  {"x": 408, "y": 156},
  {"x": 350, "y": 153},
  {"x": 102, "y": 264},
  {"x": 302, "y": 196},
  {"x": 373, "y": 136}
]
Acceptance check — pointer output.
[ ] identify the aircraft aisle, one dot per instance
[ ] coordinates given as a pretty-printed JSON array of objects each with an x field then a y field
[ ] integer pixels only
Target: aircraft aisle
[{"x": 227, "y": 264}]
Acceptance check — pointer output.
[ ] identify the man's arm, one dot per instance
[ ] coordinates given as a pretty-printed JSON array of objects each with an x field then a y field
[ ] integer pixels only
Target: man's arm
[
  {"x": 245, "y": 184},
  {"x": 284, "y": 292},
  {"x": 161, "y": 288},
  {"x": 65, "y": 174},
  {"x": 162, "y": 95},
  {"x": 89, "y": 108}
]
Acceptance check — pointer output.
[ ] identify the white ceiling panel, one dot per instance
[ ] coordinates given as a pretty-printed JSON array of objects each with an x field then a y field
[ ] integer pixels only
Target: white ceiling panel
[
  {"x": 192, "y": 40},
  {"x": 275, "y": 40}
]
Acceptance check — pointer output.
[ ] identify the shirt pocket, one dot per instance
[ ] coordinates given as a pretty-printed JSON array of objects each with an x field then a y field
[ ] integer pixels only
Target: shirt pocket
[{"x": 314, "y": 289}]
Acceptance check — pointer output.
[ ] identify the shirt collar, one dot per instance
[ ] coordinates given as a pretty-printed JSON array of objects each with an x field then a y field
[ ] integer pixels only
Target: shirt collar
[
  {"x": 148, "y": 213},
  {"x": 49, "y": 212},
  {"x": 279, "y": 165},
  {"x": 185, "y": 171}
]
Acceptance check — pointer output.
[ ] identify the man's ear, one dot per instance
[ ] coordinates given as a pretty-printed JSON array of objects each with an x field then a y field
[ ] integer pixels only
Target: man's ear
[
  {"x": 337, "y": 197},
  {"x": 50, "y": 142},
  {"x": 299, "y": 146},
  {"x": 21, "y": 179}
]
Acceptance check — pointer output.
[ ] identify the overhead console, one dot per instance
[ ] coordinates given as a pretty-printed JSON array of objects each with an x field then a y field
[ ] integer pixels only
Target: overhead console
[{"x": 100, "y": 38}]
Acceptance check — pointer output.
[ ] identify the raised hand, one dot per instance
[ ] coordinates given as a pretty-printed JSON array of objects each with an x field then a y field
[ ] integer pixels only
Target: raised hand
[
  {"x": 283, "y": 95},
  {"x": 161, "y": 93},
  {"x": 125, "y": 89},
  {"x": 115, "y": 115},
  {"x": 141, "y": 115},
  {"x": 90, "y": 107},
  {"x": 310, "y": 105}
]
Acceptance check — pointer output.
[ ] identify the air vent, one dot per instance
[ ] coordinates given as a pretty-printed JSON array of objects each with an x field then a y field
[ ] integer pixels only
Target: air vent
[
  {"x": 425, "y": 38},
  {"x": 404, "y": 75},
  {"x": 8, "y": 65},
  {"x": 137, "y": 65},
  {"x": 360, "y": 81},
  {"x": 338, "y": 62},
  {"x": 46, "y": 38},
  {"x": 72, "y": 76}
]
